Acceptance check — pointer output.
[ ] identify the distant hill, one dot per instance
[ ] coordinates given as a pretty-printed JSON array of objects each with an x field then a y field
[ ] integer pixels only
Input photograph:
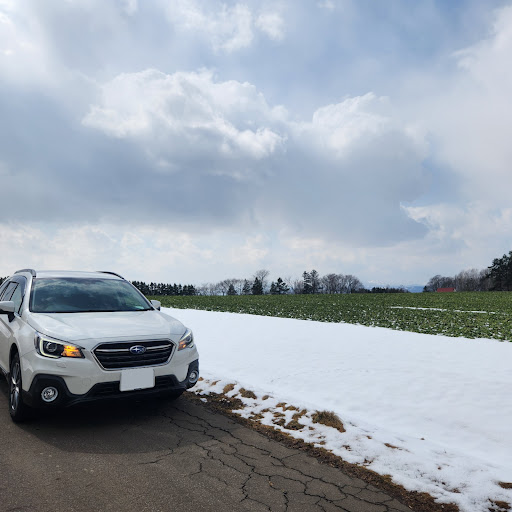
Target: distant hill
[{"x": 414, "y": 288}]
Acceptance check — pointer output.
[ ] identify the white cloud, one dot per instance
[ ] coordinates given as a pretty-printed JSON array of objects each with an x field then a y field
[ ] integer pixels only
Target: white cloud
[
  {"x": 471, "y": 118},
  {"x": 272, "y": 24},
  {"x": 337, "y": 127},
  {"x": 24, "y": 54},
  {"x": 186, "y": 112},
  {"x": 356, "y": 148},
  {"x": 227, "y": 28}
]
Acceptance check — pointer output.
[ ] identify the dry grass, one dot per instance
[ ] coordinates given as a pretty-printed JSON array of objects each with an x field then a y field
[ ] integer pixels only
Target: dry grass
[
  {"x": 328, "y": 418},
  {"x": 247, "y": 393},
  {"x": 228, "y": 388},
  {"x": 266, "y": 397},
  {"x": 505, "y": 485},
  {"x": 294, "y": 425},
  {"x": 499, "y": 506}
]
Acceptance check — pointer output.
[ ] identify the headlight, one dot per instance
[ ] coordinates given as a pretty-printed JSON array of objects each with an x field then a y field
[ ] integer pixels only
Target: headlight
[
  {"x": 187, "y": 340},
  {"x": 49, "y": 347}
]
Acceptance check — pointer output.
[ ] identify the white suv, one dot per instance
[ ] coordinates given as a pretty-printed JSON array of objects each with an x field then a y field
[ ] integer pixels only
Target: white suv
[{"x": 70, "y": 337}]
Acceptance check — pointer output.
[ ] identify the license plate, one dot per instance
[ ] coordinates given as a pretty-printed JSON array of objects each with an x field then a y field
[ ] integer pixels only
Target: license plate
[{"x": 137, "y": 378}]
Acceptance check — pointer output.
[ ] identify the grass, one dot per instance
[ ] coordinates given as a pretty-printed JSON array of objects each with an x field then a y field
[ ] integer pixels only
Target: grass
[
  {"x": 467, "y": 314},
  {"x": 328, "y": 418}
]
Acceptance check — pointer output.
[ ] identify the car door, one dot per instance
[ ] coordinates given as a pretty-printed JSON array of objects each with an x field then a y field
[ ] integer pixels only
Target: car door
[{"x": 9, "y": 325}]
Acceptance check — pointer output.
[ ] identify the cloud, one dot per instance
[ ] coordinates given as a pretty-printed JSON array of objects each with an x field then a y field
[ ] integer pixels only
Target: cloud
[
  {"x": 295, "y": 132},
  {"x": 468, "y": 121},
  {"x": 272, "y": 24},
  {"x": 186, "y": 113},
  {"x": 313, "y": 174},
  {"x": 226, "y": 28},
  {"x": 471, "y": 118}
]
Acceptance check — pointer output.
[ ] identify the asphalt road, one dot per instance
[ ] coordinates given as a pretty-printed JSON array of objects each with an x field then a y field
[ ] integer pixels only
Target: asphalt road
[{"x": 163, "y": 456}]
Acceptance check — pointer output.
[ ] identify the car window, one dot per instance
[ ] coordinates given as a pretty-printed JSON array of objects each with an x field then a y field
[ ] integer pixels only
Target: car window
[
  {"x": 77, "y": 295},
  {"x": 9, "y": 291},
  {"x": 17, "y": 297},
  {"x": 3, "y": 287}
]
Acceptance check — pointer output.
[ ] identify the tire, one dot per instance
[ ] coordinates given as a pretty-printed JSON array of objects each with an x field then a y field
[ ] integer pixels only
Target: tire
[{"x": 17, "y": 408}]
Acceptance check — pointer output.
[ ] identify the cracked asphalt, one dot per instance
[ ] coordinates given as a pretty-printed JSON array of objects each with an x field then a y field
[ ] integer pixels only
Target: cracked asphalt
[{"x": 160, "y": 455}]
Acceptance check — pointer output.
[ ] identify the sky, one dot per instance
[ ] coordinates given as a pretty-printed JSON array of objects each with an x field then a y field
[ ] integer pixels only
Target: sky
[{"x": 197, "y": 140}]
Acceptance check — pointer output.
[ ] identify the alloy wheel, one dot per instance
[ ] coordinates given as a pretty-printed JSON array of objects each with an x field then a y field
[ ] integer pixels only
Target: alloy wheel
[{"x": 15, "y": 386}]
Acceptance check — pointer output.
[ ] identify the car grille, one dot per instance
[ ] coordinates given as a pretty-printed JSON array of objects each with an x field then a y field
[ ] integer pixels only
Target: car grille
[{"x": 114, "y": 356}]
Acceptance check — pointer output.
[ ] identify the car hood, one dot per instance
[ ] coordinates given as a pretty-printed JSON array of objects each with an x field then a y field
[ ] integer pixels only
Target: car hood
[{"x": 129, "y": 325}]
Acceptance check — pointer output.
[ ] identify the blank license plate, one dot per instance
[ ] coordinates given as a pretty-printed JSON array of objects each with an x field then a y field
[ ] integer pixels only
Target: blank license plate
[{"x": 137, "y": 378}]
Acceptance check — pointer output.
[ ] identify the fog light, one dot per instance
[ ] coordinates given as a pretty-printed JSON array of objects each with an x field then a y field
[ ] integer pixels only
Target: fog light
[
  {"x": 49, "y": 394},
  {"x": 194, "y": 375}
]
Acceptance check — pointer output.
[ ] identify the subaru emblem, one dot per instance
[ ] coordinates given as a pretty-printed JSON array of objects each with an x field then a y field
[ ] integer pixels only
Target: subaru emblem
[{"x": 137, "y": 349}]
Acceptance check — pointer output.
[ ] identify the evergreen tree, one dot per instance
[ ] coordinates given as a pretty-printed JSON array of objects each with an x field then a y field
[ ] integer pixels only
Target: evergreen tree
[
  {"x": 273, "y": 289},
  {"x": 281, "y": 287},
  {"x": 231, "y": 290},
  {"x": 246, "y": 290},
  {"x": 500, "y": 273},
  {"x": 315, "y": 281},
  {"x": 306, "y": 278},
  {"x": 257, "y": 287}
]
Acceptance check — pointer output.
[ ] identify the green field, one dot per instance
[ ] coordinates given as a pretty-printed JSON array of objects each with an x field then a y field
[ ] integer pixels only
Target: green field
[{"x": 468, "y": 314}]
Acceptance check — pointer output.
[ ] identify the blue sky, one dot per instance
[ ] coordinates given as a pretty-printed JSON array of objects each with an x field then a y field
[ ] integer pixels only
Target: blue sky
[{"x": 193, "y": 141}]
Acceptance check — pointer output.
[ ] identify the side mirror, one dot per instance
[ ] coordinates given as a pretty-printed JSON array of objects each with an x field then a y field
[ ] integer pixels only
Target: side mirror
[
  {"x": 156, "y": 303},
  {"x": 7, "y": 307}
]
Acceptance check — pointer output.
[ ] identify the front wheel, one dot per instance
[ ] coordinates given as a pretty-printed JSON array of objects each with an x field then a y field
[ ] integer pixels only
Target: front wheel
[{"x": 17, "y": 408}]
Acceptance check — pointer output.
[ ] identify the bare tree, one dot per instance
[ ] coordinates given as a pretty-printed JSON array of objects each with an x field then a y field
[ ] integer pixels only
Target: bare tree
[
  {"x": 262, "y": 276},
  {"x": 468, "y": 280},
  {"x": 331, "y": 283},
  {"x": 212, "y": 289},
  {"x": 353, "y": 284},
  {"x": 202, "y": 289},
  {"x": 238, "y": 284},
  {"x": 438, "y": 281},
  {"x": 297, "y": 286}
]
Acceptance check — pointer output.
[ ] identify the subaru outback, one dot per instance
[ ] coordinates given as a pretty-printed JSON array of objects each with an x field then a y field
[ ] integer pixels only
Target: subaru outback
[{"x": 72, "y": 337}]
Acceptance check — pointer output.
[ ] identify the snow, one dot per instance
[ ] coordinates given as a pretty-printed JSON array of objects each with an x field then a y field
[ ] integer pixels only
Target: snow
[
  {"x": 434, "y": 412},
  {"x": 452, "y": 310}
]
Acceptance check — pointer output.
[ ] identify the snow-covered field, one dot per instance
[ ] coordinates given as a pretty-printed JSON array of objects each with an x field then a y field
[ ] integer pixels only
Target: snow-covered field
[{"x": 433, "y": 412}]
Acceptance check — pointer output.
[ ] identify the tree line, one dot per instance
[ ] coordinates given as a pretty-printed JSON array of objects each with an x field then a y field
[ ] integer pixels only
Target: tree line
[
  {"x": 310, "y": 282},
  {"x": 496, "y": 277},
  {"x": 164, "y": 289}
]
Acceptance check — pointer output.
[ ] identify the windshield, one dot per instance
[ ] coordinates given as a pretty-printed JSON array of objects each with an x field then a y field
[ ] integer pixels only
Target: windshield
[{"x": 78, "y": 295}]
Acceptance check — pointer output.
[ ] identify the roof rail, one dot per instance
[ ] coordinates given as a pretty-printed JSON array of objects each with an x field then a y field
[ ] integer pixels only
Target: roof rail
[
  {"x": 29, "y": 270},
  {"x": 112, "y": 273}
]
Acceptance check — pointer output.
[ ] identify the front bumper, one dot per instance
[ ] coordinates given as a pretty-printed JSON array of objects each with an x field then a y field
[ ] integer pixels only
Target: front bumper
[{"x": 164, "y": 385}]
